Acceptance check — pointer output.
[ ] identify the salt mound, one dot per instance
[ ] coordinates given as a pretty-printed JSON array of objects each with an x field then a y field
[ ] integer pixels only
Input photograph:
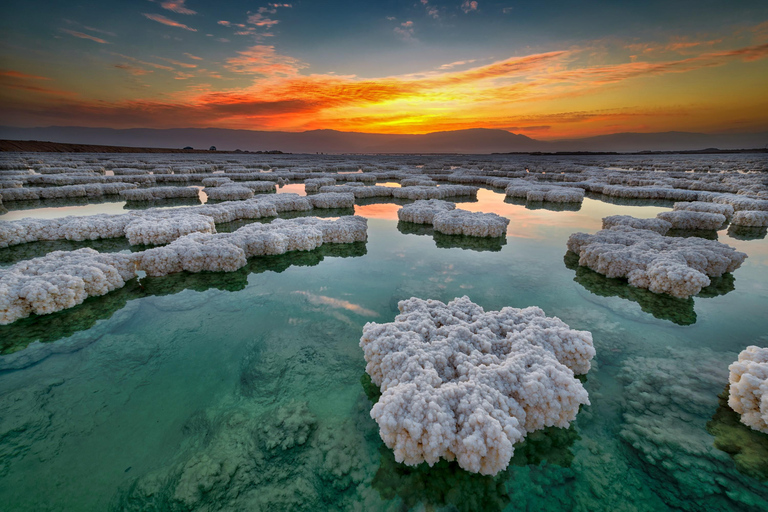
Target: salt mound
[
  {"x": 460, "y": 383},
  {"x": 314, "y": 184},
  {"x": 332, "y": 200},
  {"x": 59, "y": 280},
  {"x": 680, "y": 267},
  {"x": 701, "y": 206},
  {"x": 688, "y": 219},
  {"x": 749, "y": 387},
  {"x": 658, "y": 225},
  {"x": 360, "y": 190},
  {"x": 228, "y": 192},
  {"x": 161, "y": 229},
  {"x": 750, "y": 218},
  {"x": 463, "y": 222},
  {"x": 423, "y": 211},
  {"x": 441, "y": 192},
  {"x": 148, "y": 194},
  {"x": 549, "y": 193}
]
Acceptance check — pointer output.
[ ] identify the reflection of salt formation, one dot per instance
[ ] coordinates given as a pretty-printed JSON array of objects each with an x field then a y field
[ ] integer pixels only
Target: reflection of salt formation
[
  {"x": 536, "y": 192},
  {"x": 60, "y": 280},
  {"x": 747, "y": 447},
  {"x": 658, "y": 225},
  {"x": 687, "y": 219},
  {"x": 747, "y": 233},
  {"x": 666, "y": 403},
  {"x": 446, "y": 219},
  {"x": 661, "y": 306},
  {"x": 148, "y": 194},
  {"x": 65, "y": 323},
  {"x": 473, "y": 243},
  {"x": 749, "y": 387},
  {"x": 680, "y": 267},
  {"x": 42, "y": 286},
  {"x": 753, "y": 219},
  {"x": 441, "y": 399}
]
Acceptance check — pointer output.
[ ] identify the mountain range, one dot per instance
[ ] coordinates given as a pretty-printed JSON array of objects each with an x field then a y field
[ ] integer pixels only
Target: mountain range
[{"x": 476, "y": 140}]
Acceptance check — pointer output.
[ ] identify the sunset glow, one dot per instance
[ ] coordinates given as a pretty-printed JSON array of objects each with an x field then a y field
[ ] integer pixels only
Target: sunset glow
[{"x": 425, "y": 66}]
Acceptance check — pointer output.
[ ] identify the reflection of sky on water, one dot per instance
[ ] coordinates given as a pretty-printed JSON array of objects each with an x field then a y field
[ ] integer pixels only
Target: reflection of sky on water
[{"x": 292, "y": 188}]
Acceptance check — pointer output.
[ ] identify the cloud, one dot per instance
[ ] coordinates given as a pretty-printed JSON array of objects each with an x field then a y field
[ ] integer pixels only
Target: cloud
[
  {"x": 11, "y": 79},
  {"x": 143, "y": 63},
  {"x": 260, "y": 20},
  {"x": 193, "y": 57},
  {"x": 405, "y": 31},
  {"x": 84, "y": 36},
  {"x": 17, "y": 74},
  {"x": 134, "y": 70},
  {"x": 224, "y": 22},
  {"x": 177, "y": 63},
  {"x": 469, "y": 6},
  {"x": 264, "y": 60},
  {"x": 456, "y": 64},
  {"x": 507, "y": 10},
  {"x": 165, "y": 21},
  {"x": 177, "y": 6}
]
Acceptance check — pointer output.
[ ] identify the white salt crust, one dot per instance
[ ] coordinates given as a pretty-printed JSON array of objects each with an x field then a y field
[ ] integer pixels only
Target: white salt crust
[
  {"x": 64, "y": 279},
  {"x": 441, "y": 192},
  {"x": 332, "y": 200},
  {"x": 446, "y": 219},
  {"x": 750, "y": 218},
  {"x": 688, "y": 219},
  {"x": 658, "y": 225},
  {"x": 360, "y": 190},
  {"x": 533, "y": 191},
  {"x": 701, "y": 206},
  {"x": 149, "y": 194},
  {"x": 749, "y": 387},
  {"x": 314, "y": 184},
  {"x": 461, "y": 383},
  {"x": 67, "y": 191},
  {"x": 680, "y": 267}
]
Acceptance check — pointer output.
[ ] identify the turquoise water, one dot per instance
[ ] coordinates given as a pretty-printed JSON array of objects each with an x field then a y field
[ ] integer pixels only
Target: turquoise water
[{"x": 247, "y": 390}]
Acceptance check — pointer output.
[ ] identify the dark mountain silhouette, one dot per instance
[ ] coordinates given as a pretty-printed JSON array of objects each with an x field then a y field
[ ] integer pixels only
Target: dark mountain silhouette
[{"x": 478, "y": 140}]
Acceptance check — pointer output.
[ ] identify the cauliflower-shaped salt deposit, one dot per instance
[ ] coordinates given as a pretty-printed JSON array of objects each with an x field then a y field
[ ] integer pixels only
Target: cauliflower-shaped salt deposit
[
  {"x": 59, "y": 280},
  {"x": 702, "y": 206},
  {"x": 423, "y": 211},
  {"x": 689, "y": 219},
  {"x": 332, "y": 200},
  {"x": 749, "y": 387},
  {"x": 658, "y": 225},
  {"x": 751, "y": 218},
  {"x": 461, "y": 383},
  {"x": 680, "y": 267},
  {"x": 448, "y": 220}
]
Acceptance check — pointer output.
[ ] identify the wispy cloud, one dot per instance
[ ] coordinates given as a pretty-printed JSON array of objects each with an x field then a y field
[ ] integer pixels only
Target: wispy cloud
[
  {"x": 17, "y": 74},
  {"x": 193, "y": 57},
  {"x": 177, "y": 63},
  {"x": 134, "y": 70},
  {"x": 456, "y": 64},
  {"x": 405, "y": 31},
  {"x": 84, "y": 36},
  {"x": 177, "y": 6},
  {"x": 143, "y": 63},
  {"x": 166, "y": 21},
  {"x": 260, "y": 20},
  {"x": 264, "y": 60}
]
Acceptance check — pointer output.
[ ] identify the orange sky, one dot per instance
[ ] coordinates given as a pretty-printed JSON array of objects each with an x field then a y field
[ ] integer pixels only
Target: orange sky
[{"x": 710, "y": 82}]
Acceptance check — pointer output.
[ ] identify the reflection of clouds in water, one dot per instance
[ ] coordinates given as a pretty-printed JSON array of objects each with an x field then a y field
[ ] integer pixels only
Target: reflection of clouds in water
[{"x": 323, "y": 300}]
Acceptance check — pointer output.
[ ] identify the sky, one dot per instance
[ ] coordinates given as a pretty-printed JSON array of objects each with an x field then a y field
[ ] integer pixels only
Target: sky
[{"x": 548, "y": 70}]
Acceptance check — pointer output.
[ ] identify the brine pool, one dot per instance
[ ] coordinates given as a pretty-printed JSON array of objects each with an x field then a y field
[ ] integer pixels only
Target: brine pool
[{"x": 247, "y": 390}]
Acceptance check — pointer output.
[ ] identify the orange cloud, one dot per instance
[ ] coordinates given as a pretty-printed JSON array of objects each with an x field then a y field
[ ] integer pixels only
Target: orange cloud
[
  {"x": 166, "y": 21},
  {"x": 264, "y": 60},
  {"x": 84, "y": 36},
  {"x": 177, "y": 6}
]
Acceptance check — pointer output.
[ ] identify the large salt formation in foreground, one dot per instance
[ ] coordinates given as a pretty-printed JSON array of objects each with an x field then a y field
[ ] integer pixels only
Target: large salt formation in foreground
[
  {"x": 446, "y": 219},
  {"x": 680, "y": 267},
  {"x": 461, "y": 383},
  {"x": 62, "y": 280},
  {"x": 749, "y": 387}
]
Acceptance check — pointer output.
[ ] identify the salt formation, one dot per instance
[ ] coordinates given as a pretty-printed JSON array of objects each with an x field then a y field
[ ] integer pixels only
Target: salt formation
[
  {"x": 423, "y": 211},
  {"x": 658, "y": 225},
  {"x": 149, "y": 194},
  {"x": 688, "y": 219},
  {"x": 88, "y": 190},
  {"x": 332, "y": 200},
  {"x": 450, "y": 221},
  {"x": 750, "y": 218},
  {"x": 533, "y": 191},
  {"x": 702, "y": 206},
  {"x": 228, "y": 192},
  {"x": 161, "y": 229},
  {"x": 360, "y": 190},
  {"x": 680, "y": 267},
  {"x": 314, "y": 184},
  {"x": 60, "y": 280},
  {"x": 226, "y": 252},
  {"x": 441, "y": 192},
  {"x": 460, "y": 383},
  {"x": 749, "y": 387}
]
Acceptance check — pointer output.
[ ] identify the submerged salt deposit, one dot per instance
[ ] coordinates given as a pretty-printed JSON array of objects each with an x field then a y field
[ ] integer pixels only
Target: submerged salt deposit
[
  {"x": 749, "y": 387},
  {"x": 460, "y": 383},
  {"x": 680, "y": 267}
]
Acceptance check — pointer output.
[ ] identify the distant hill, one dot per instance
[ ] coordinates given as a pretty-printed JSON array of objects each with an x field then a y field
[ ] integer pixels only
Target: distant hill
[{"x": 477, "y": 140}]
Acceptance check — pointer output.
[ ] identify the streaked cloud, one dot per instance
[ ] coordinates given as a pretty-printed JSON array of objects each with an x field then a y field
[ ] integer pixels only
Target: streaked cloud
[
  {"x": 84, "y": 36},
  {"x": 177, "y": 6},
  {"x": 177, "y": 63},
  {"x": 264, "y": 60},
  {"x": 134, "y": 70},
  {"x": 193, "y": 57},
  {"x": 166, "y": 21}
]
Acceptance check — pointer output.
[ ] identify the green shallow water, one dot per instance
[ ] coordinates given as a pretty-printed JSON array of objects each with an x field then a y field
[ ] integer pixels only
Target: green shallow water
[{"x": 247, "y": 390}]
